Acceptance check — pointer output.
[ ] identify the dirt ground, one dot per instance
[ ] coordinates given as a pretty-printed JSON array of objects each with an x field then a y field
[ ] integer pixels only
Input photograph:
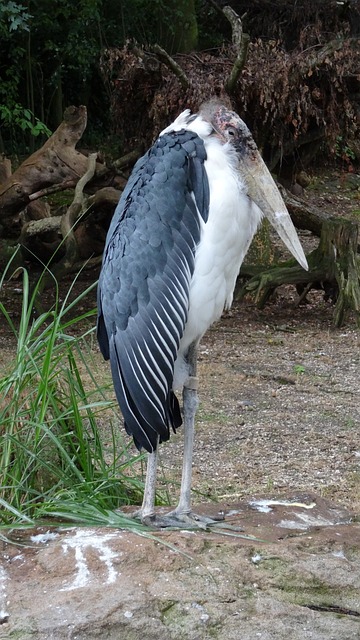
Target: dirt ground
[
  {"x": 279, "y": 392},
  {"x": 280, "y": 405},
  {"x": 278, "y": 419}
]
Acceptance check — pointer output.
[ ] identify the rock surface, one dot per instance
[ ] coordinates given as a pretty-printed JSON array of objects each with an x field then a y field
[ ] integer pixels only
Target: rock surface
[{"x": 297, "y": 578}]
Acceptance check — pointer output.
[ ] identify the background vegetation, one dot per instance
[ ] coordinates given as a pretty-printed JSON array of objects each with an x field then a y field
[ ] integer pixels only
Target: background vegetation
[{"x": 301, "y": 76}]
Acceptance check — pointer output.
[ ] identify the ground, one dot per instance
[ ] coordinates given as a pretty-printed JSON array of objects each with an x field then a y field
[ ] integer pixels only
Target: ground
[
  {"x": 277, "y": 450},
  {"x": 279, "y": 406},
  {"x": 279, "y": 388}
]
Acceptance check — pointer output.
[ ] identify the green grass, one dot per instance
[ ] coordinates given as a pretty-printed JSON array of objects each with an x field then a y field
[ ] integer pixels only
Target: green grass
[
  {"x": 53, "y": 460},
  {"x": 298, "y": 369}
]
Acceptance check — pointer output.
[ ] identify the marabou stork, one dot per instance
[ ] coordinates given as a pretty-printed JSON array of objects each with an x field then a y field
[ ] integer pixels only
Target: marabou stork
[{"x": 173, "y": 252}]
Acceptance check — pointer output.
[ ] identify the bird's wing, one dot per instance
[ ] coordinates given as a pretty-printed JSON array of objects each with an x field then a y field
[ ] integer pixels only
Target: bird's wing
[{"x": 143, "y": 292}]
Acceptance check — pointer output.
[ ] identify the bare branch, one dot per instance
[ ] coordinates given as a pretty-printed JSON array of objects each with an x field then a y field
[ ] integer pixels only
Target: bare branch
[
  {"x": 88, "y": 175},
  {"x": 128, "y": 159},
  {"x": 241, "y": 41},
  {"x": 172, "y": 65},
  {"x": 62, "y": 186},
  {"x": 69, "y": 220}
]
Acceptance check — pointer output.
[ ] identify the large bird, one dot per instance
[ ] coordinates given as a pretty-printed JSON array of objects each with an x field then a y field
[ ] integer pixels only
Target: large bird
[{"x": 173, "y": 252}]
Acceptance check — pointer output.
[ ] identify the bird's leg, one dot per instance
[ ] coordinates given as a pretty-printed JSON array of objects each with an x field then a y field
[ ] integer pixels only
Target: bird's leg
[
  {"x": 190, "y": 405},
  {"x": 147, "y": 510},
  {"x": 183, "y": 516}
]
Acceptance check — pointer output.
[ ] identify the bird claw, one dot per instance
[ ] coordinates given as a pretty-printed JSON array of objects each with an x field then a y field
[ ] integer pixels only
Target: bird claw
[{"x": 190, "y": 521}]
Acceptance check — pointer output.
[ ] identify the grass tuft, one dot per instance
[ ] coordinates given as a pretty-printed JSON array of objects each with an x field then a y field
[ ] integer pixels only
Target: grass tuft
[{"x": 53, "y": 460}]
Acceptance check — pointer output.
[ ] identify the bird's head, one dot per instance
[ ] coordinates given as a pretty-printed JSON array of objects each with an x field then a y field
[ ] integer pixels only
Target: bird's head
[{"x": 228, "y": 127}]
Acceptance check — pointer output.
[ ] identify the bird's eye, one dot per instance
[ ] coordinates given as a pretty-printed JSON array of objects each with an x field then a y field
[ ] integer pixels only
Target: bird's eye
[{"x": 231, "y": 132}]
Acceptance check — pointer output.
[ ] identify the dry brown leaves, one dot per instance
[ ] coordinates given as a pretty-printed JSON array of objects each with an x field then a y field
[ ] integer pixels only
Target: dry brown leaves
[{"x": 281, "y": 94}]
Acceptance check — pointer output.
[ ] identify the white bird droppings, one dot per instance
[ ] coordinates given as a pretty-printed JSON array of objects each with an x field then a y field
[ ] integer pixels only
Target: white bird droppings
[
  {"x": 305, "y": 521},
  {"x": 256, "y": 558},
  {"x": 265, "y": 506},
  {"x": 82, "y": 540},
  {"x": 4, "y": 615},
  {"x": 43, "y": 538}
]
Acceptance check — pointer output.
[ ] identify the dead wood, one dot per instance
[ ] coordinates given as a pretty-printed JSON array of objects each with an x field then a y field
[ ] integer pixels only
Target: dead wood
[
  {"x": 107, "y": 197},
  {"x": 166, "y": 59},
  {"x": 341, "y": 238},
  {"x": 61, "y": 186},
  {"x": 241, "y": 42},
  {"x": 303, "y": 215},
  {"x": 57, "y": 161},
  {"x": 40, "y": 239},
  {"x": 334, "y": 262},
  {"x": 43, "y": 237},
  {"x": 5, "y": 168},
  {"x": 71, "y": 218},
  {"x": 41, "y": 227},
  {"x": 36, "y": 210},
  {"x": 128, "y": 160}
]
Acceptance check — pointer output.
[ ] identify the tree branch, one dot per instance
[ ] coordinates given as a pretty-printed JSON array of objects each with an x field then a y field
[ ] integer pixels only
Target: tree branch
[
  {"x": 172, "y": 65},
  {"x": 128, "y": 159},
  {"x": 62, "y": 186},
  {"x": 241, "y": 41},
  {"x": 71, "y": 217}
]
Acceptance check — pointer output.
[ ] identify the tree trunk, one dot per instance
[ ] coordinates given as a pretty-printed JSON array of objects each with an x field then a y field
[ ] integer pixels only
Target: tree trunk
[
  {"x": 5, "y": 168},
  {"x": 341, "y": 237},
  {"x": 334, "y": 262}
]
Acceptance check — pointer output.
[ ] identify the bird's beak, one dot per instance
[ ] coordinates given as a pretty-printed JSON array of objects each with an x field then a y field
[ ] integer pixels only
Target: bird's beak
[{"x": 264, "y": 192}]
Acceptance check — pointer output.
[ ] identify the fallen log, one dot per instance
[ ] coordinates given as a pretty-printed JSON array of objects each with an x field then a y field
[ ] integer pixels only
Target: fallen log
[
  {"x": 56, "y": 162},
  {"x": 303, "y": 215},
  {"x": 41, "y": 238}
]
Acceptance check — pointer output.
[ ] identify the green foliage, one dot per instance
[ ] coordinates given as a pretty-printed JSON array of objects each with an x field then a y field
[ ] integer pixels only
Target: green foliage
[
  {"x": 18, "y": 117},
  {"x": 170, "y": 23},
  {"x": 14, "y": 24},
  {"x": 48, "y": 57},
  {"x": 213, "y": 26},
  {"x": 14, "y": 17},
  {"x": 54, "y": 461},
  {"x": 299, "y": 369},
  {"x": 67, "y": 34},
  {"x": 50, "y": 52},
  {"x": 343, "y": 150}
]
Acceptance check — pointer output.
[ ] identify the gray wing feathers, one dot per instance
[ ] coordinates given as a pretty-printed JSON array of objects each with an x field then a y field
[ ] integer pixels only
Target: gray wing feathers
[{"x": 143, "y": 292}]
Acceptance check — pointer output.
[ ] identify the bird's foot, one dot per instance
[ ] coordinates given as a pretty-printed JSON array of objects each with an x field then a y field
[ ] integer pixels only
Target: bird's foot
[
  {"x": 186, "y": 520},
  {"x": 177, "y": 520}
]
